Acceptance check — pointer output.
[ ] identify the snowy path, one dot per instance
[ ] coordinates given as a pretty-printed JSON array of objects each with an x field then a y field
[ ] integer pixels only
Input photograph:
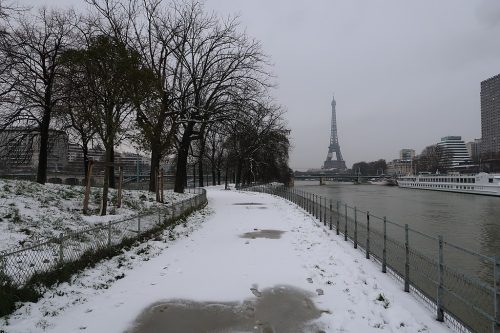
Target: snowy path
[{"x": 215, "y": 264}]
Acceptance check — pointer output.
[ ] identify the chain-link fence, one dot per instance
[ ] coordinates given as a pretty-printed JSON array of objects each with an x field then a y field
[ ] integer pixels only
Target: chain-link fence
[
  {"x": 18, "y": 266},
  {"x": 467, "y": 298}
]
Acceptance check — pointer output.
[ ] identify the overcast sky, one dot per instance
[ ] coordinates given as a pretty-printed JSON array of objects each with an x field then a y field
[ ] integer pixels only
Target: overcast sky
[{"x": 404, "y": 73}]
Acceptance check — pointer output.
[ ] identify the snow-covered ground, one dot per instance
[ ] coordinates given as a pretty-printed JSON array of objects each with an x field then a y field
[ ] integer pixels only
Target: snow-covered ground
[
  {"x": 30, "y": 211},
  {"x": 206, "y": 259}
]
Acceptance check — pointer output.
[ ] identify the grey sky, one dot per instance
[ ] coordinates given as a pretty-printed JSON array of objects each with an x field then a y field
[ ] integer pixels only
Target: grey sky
[{"x": 404, "y": 73}]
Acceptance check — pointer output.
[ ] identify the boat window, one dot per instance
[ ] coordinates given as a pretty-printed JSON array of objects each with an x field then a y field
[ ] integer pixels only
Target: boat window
[{"x": 490, "y": 180}]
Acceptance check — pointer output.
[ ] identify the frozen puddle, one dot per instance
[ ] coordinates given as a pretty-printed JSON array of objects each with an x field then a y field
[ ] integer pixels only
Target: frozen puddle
[
  {"x": 281, "y": 309},
  {"x": 271, "y": 234}
]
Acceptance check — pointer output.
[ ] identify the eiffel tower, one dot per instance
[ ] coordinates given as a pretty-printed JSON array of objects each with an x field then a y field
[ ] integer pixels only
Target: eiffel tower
[{"x": 334, "y": 147}]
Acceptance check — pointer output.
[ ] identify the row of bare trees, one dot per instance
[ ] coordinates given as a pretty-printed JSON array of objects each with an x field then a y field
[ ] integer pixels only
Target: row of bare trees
[{"x": 169, "y": 78}]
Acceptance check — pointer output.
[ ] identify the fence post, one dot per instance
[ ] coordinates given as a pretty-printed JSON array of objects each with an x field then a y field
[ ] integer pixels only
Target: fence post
[
  {"x": 331, "y": 215},
  {"x": 367, "y": 235},
  {"x": 496, "y": 272},
  {"x": 308, "y": 203},
  {"x": 320, "y": 199},
  {"x": 338, "y": 217},
  {"x": 384, "y": 250},
  {"x": 345, "y": 229},
  {"x": 324, "y": 213},
  {"x": 355, "y": 227},
  {"x": 439, "y": 299},
  {"x": 407, "y": 260},
  {"x": 313, "y": 206},
  {"x": 109, "y": 233},
  {"x": 61, "y": 253}
]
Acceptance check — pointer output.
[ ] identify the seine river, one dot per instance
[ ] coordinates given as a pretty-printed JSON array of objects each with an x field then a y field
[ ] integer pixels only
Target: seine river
[{"x": 466, "y": 220}]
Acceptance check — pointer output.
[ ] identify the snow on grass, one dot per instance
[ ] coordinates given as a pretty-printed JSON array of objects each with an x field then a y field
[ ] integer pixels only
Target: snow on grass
[
  {"x": 215, "y": 263},
  {"x": 30, "y": 211}
]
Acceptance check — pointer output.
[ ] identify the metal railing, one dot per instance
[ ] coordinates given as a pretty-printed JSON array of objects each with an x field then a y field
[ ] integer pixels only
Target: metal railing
[
  {"x": 467, "y": 299},
  {"x": 19, "y": 265}
]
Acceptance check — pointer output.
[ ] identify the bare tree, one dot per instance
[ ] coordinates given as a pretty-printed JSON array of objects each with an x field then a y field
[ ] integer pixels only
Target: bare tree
[
  {"x": 156, "y": 36},
  {"x": 31, "y": 46},
  {"x": 219, "y": 62}
]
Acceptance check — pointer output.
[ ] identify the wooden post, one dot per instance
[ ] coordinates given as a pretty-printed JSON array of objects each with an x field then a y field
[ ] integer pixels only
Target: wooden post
[
  {"x": 384, "y": 251},
  {"x": 161, "y": 185},
  {"x": 407, "y": 260},
  {"x": 120, "y": 181},
  {"x": 87, "y": 188},
  {"x": 439, "y": 298},
  {"x": 367, "y": 235},
  {"x": 355, "y": 227}
]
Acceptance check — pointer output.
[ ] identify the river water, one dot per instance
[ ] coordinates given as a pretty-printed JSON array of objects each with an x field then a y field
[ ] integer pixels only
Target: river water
[{"x": 466, "y": 220}]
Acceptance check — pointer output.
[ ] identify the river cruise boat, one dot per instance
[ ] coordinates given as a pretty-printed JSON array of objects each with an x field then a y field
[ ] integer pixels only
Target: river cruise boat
[{"x": 481, "y": 183}]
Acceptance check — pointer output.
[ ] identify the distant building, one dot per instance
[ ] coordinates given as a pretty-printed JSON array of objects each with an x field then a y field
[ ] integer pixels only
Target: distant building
[
  {"x": 453, "y": 153},
  {"x": 400, "y": 167},
  {"x": 490, "y": 116},
  {"x": 406, "y": 154},
  {"x": 131, "y": 162},
  {"x": 474, "y": 149},
  {"x": 20, "y": 150}
]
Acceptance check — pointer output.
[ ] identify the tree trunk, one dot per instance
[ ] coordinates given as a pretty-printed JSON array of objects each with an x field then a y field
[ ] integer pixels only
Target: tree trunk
[
  {"x": 107, "y": 175},
  {"x": 214, "y": 175},
  {"x": 239, "y": 168},
  {"x": 112, "y": 180},
  {"x": 85, "y": 151},
  {"x": 200, "y": 171},
  {"x": 155, "y": 165},
  {"x": 226, "y": 185},
  {"x": 194, "y": 175},
  {"x": 41, "y": 176},
  {"x": 182, "y": 156}
]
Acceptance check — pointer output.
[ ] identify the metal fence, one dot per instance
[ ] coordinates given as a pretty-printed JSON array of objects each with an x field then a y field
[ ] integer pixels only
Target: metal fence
[
  {"x": 18, "y": 265},
  {"x": 466, "y": 299}
]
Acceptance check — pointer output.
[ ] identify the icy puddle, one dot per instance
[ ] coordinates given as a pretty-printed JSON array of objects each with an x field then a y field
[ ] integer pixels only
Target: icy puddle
[
  {"x": 281, "y": 309},
  {"x": 271, "y": 234}
]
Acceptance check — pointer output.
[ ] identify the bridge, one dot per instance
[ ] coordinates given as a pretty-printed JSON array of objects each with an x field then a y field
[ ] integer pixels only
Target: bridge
[{"x": 321, "y": 177}]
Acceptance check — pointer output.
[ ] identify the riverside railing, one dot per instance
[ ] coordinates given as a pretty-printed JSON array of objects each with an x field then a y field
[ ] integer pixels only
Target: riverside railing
[
  {"x": 467, "y": 299},
  {"x": 18, "y": 266}
]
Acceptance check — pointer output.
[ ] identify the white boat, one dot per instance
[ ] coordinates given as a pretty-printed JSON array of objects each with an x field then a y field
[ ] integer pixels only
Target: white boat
[
  {"x": 384, "y": 181},
  {"x": 481, "y": 183}
]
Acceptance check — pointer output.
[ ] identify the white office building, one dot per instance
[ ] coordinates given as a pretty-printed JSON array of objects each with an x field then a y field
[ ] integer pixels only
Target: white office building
[{"x": 453, "y": 152}]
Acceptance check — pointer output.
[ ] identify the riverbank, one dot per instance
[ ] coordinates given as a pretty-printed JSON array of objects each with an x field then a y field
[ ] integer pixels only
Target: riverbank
[{"x": 244, "y": 254}]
